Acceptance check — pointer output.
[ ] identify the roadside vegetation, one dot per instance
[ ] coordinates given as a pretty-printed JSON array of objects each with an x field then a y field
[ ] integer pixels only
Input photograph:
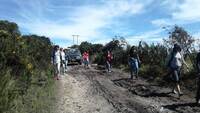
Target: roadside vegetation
[
  {"x": 153, "y": 56},
  {"x": 25, "y": 72}
]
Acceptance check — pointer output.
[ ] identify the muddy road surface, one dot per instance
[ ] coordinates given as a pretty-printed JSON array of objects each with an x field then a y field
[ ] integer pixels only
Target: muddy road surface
[{"x": 94, "y": 90}]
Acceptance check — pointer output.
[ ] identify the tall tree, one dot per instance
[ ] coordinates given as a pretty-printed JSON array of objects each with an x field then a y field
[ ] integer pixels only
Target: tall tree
[
  {"x": 85, "y": 46},
  {"x": 10, "y": 27},
  {"x": 181, "y": 36}
]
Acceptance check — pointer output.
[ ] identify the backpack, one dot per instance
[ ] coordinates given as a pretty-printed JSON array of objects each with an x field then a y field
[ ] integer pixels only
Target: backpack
[{"x": 169, "y": 58}]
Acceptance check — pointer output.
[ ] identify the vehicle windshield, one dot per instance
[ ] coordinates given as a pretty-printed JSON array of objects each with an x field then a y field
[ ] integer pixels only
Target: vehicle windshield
[{"x": 74, "y": 51}]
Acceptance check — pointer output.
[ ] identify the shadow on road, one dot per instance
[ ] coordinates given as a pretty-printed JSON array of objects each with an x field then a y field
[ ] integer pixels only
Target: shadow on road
[
  {"x": 157, "y": 94},
  {"x": 72, "y": 64},
  {"x": 178, "y": 105},
  {"x": 122, "y": 79}
]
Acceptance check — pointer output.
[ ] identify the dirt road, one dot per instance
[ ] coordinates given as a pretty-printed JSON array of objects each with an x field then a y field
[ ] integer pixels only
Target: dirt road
[{"x": 96, "y": 91}]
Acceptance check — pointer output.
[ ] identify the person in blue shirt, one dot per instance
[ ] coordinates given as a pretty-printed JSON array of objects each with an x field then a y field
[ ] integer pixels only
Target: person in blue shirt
[{"x": 134, "y": 62}]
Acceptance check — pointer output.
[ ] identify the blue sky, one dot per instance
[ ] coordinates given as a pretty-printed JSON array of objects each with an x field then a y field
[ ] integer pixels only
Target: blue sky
[{"x": 98, "y": 21}]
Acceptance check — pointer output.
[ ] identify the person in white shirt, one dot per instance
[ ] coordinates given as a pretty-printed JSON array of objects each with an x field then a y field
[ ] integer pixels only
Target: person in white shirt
[
  {"x": 175, "y": 64},
  {"x": 57, "y": 61},
  {"x": 62, "y": 53}
]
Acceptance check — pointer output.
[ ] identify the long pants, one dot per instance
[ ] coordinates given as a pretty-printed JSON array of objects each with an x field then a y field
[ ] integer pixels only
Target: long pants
[
  {"x": 134, "y": 67},
  {"x": 86, "y": 62},
  {"x": 63, "y": 67},
  {"x": 57, "y": 68},
  {"x": 134, "y": 72},
  {"x": 108, "y": 65},
  {"x": 66, "y": 62}
]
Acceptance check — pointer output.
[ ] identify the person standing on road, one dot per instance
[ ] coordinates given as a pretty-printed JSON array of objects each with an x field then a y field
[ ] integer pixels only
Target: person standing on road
[
  {"x": 56, "y": 61},
  {"x": 109, "y": 59},
  {"x": 175, "y": 64},
  {"x": 198, "y": 76},
  {"x": 86, "y": 59},
  {"x": 66, "y": 60},
  {"x": 134, "y": 62},
  {"x": 62, "y": 56}
]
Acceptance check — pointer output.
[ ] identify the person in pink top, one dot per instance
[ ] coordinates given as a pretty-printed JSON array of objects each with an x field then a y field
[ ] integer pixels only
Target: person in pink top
[
  {"x": 109, "y": 58},
  {"x": 86, "y": 59}
]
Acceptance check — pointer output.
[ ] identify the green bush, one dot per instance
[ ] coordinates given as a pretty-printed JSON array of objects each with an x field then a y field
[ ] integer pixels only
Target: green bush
[
  {"x": 7, "y": 93},
  {"x": 25, "y": 71},
  {"x": 99, "y": 58}
]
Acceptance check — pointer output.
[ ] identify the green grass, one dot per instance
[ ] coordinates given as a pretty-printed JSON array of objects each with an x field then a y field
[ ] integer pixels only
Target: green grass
[
  {"x": 7, "y": 96},
  {"x": 38, "y": 98}
]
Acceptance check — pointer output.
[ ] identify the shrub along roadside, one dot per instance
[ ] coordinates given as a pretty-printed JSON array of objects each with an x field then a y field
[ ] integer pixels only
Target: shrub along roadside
[
  {"x": 25, "y": 72},
  {"x": 153, "y": 56}
]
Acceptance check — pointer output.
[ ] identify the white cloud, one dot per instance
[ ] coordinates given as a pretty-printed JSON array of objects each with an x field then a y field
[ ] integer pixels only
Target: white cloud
[
  {"x": 197, "y": 35},
  {"x": 162, "y": 22},
  {"x": 125, "y": 6},
  {"x": 170, "y": 5},
  {"x": 101, "y": 41},
  {"x": 150, "y": 37},
  {"x": 197, "y": 40},
  {"x": 188, "y": 11},
  {"x": 181, "y": 13},
  {"x": 86, "y": 21}
]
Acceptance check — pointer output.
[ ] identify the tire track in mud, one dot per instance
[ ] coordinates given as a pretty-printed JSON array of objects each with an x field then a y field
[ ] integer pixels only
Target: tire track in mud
[
  {"x": 160, "y": 95},
  {"x": 132, "y": 96},
  {"x": 121, "y": 99},
  {"x": 165, "y": 100},
  {"x": 74, "y": 97}
]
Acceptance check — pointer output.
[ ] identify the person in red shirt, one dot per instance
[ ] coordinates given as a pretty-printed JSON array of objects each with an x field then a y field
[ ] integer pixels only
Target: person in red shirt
[
  {"x": 86, "y": 59},
  {"x": 109, "y": 58}
]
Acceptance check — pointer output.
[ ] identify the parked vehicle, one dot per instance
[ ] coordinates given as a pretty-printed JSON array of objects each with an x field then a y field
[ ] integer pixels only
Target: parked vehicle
[{"x": 74, "y": 56}]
